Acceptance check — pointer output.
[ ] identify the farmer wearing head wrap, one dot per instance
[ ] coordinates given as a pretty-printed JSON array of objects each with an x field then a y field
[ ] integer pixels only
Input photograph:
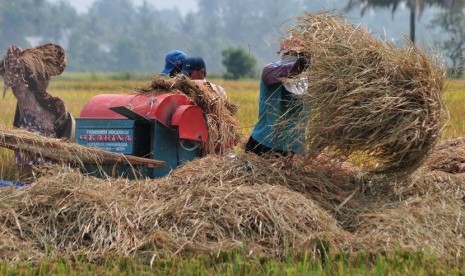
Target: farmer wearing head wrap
[
  {"x": 280, "y": 107},
  {"x": 173, "y": 63},
  {"x": 196, "y": 70}
]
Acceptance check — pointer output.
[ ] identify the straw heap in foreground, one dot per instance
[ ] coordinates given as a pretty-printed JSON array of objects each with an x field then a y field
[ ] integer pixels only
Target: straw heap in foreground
[{"x": 264, "y": 206}]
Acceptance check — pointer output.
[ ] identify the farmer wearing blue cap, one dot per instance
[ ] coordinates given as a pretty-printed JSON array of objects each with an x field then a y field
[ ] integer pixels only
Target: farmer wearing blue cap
[
  {"x": 195, "y": 69},
  {"x": 173, "y": 63}
]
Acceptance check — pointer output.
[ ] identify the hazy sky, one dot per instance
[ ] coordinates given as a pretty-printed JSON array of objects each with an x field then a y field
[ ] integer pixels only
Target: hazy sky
[{"x": 183, "y": 5}]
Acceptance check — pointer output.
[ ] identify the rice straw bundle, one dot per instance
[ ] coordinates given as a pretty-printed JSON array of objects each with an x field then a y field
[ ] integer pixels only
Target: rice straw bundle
[
  {"x": 13, "y": 248},
  {"x": 65, "y": 216},
  {"x": 268, "y": 201},
  {"x": 222, "y": 125},
  {"x": 440, "y": 174},
  {"x": 44, "y": 61},
  {"x": 41, "y": 62},
  {"x": 64, "y": 152},
  {"x": 370, "y": 97},
  {"x": 421, "y": 212}
]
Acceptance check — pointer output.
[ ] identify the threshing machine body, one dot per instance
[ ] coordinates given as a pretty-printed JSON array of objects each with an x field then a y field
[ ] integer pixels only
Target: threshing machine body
[{"x": 166, "y": 127}]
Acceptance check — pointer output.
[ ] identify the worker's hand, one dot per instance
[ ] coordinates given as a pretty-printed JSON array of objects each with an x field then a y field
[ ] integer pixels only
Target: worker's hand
[{"x": 299, "y": 66}]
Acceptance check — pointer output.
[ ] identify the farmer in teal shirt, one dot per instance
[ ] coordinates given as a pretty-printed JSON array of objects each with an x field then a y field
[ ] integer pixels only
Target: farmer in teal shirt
[{"x": 281, "y": 117}]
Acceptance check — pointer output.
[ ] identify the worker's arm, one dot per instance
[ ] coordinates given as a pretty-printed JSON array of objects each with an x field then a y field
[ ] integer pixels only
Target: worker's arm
[{"x": 273, "y": 73}]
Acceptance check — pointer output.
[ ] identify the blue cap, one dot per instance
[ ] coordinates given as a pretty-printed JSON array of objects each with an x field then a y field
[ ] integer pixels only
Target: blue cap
[
  {"x": 193, "y": 63},
  {"x": 173, "y": 59}
]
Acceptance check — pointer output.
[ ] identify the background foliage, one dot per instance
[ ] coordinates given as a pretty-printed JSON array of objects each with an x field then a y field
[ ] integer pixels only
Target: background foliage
[
  {"x": 238, "y": 63},
  {"x": 117, "y": 35}
]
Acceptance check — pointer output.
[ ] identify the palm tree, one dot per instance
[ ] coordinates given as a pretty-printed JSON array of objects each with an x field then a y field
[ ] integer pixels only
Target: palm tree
[{"x": 415, "y": 7}]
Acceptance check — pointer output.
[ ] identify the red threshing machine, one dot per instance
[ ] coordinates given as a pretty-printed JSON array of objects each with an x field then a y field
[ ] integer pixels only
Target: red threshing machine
[{"x": 166, "y": 127}]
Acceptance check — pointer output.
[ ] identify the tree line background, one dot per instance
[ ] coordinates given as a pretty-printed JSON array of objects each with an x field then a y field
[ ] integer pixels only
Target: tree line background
[{"x": 116, "y": 35}]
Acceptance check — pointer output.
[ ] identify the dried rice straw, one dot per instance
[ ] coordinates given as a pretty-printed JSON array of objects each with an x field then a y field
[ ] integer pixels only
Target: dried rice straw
[
  {"x": 64, "y": 152},
  {"x": 264, "y": 206},
  {"x": 77, "y": 215},
  {"x": 42, "y": 62},
  {"x": 369, "y": 97}
]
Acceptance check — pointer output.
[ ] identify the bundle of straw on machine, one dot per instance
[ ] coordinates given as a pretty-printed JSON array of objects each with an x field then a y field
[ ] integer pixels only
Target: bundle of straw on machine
[{"x": 220, "y": 113}]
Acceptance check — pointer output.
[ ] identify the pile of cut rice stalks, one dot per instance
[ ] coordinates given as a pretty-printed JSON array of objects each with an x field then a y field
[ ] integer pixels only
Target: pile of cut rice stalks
[{"x": 264, "y": 206}]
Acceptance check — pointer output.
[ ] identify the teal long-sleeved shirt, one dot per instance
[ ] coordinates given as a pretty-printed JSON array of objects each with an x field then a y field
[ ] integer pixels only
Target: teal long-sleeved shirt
[{"x": 280, "y": 117}]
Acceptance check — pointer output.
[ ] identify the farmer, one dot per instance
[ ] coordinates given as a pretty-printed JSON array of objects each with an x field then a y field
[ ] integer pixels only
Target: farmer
[
  {"x": 280, "y": 108},
  {"x": 36, "y": 110},
  {"x": 195, "y": 69},
  {"x": 173, "y": 63}
]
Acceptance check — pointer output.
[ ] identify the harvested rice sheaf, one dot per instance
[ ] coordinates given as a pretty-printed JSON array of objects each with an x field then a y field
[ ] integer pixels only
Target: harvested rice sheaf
[
  {"x": 369, "y": 97},
  {"x": 61, "y": 151},
  {"x": 41, "y": 62},
  {"x": 44, "y": 61}
]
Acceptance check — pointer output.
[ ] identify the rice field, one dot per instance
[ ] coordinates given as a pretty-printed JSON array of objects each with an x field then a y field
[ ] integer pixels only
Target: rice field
[{"x": 455, "y": 98}]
